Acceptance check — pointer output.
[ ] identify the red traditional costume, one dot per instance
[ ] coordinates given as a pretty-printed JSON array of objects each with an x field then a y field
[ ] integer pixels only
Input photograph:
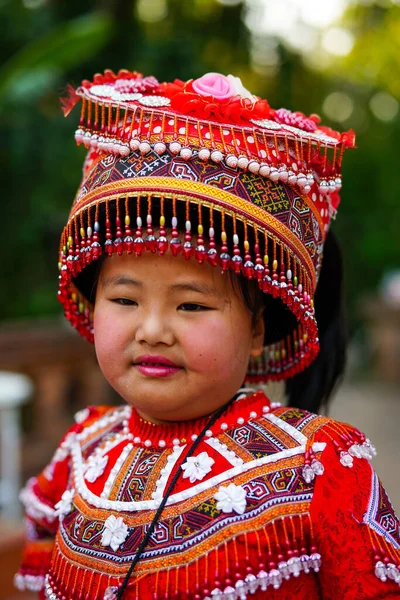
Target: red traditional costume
[{"x": 275, "y": 502}]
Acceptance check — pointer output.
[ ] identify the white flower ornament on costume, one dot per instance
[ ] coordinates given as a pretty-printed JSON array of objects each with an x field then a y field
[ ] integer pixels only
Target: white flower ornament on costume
[
  {"x": 196, "y": 467},
  {"x": 63, "y": 507},
  {"x": 239, "y": 88},
  {"x": 231, "y": 498},
  {"x": 115, "y": 532},
  {"x": 96, "y": 468}
]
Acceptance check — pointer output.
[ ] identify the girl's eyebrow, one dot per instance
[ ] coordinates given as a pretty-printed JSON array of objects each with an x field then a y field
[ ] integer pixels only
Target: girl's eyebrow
[
  {"x": 195, "y": 286},
  {"x": 187, "y": 286},
  {"x": 119, "y": 280}
]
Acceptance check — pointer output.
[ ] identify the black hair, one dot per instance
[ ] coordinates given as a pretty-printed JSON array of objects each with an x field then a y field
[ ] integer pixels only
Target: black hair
[{"x": 313, "y": 388}]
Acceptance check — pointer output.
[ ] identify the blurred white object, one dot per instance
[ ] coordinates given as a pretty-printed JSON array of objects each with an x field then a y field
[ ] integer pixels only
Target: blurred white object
[
  {"x": 390, "y": 288},
  {"x": 15, "y": 390}
]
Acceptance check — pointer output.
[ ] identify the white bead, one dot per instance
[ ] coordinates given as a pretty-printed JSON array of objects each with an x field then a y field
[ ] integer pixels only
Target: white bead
[
  {"x": 137, "y": 440},
  {"x": 253, "y": 414},
  {"x": 144, "y": 147},
  {"x": 174, "y": 222},
  {"x": 224, "y": 426},
  {"x": 204, "y": 154},
  {"x": 254, "y": 166},
  {"x": 79, "y": 133},
  {"x": 147, "y": 443},
  {"x": 124, "y": 150},
  {"x": 265, "y": 169},
  {"x": 186, "y": 153},
  {"x": 134, "y": 144},
  {"x": 274, "y": 174},
  {"x": 188, "y": 225},
  {"x": 231, "y": 160},
  {"x": 235, "y": 239},
  {"x": 139, "y": 222},
  {"x": 149, "y": 219},
  {"x": 162, "y": 443},
  {"x": 160, "y": 148},
  {"x": 211, "y": 232},
  {"x": 289, "y": 274},
  {"x": 175, "y": 147},
  {"x": 194, "y": 437},
  {"x": 301, "y": 180},
  {"x": 94, "y": 140},
  {"x": 216, "y": 156},
  {"x": 243, "y": 162},
  {"x": 240, "y": 421},
  {"x": 176, "y": 442},
  {"x": 323, "y": 187},
  {"x": 283, "y": 174},
  {"x": 265, "y": 409},
  {"x": 208, "y": 433}
]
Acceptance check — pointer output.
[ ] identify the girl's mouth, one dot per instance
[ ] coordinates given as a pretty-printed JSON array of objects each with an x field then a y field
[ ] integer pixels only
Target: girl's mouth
[{"x": 155, "y": 366}]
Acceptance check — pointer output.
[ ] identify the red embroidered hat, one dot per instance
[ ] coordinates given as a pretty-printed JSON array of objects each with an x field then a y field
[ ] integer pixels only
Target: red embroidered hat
[{"x": 238, "y": 184}]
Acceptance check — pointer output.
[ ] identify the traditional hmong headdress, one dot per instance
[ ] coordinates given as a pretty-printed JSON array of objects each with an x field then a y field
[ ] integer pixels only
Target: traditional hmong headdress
[{"x": 253, "y": 189}]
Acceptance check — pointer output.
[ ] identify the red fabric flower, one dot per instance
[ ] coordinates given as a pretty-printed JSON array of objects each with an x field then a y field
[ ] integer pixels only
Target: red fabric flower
[{"x": 236, "y": 110}]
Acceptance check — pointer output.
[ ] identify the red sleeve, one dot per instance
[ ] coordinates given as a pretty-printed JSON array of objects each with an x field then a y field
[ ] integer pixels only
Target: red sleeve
[
  {"x": 40, "y": 498},
  {"x": 356, "y": 528}
]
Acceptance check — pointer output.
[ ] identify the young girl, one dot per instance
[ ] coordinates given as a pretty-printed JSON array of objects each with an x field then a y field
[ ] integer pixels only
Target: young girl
[{"x": 191, "y": 259}]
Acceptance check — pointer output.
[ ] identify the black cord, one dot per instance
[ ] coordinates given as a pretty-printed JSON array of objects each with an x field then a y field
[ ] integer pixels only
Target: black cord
[{"x": 171, "y": 486}]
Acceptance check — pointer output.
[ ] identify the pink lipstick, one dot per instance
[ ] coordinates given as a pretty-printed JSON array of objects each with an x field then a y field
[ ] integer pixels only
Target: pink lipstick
[{"x": 155, "y": 366}]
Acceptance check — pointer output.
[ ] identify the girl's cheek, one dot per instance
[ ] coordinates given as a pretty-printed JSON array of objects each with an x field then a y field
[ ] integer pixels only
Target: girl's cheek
[
  {"x": 209, "y": 347},
  {"x": 109, "y": 332}
]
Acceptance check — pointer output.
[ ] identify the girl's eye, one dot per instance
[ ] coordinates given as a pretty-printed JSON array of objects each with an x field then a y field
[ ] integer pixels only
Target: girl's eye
[
  {"x": 124, "y": 302},
  {"x": 192, "y": 307}
]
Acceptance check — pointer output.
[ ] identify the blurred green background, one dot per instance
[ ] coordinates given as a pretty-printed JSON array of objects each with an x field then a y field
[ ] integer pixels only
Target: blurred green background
[{"x": 338, "y": 58}]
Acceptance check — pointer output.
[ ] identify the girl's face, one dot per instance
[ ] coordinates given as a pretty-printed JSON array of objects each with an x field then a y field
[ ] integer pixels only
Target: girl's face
[{"x": 172, "y": 337}]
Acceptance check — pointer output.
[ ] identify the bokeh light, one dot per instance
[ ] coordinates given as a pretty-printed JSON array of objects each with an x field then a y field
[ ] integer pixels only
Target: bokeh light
[
  {"x": 337, "y": 41},
  {"x": 338, "y": 107},
  {"x": 384, "y": 106}
]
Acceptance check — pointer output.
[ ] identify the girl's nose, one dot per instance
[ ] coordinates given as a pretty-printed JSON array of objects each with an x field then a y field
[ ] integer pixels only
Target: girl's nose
[{"x": 154, "y": 329}]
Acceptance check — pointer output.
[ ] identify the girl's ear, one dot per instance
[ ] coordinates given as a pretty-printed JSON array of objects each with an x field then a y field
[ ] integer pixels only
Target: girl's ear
[{"x": 257, "y": 343}]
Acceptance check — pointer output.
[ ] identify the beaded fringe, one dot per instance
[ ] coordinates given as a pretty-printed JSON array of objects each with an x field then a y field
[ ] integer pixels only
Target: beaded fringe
[
  {"x": 269, "y": 262},
  {"x": 285, "y": 549},
  {"x": 118, "y": 129}
]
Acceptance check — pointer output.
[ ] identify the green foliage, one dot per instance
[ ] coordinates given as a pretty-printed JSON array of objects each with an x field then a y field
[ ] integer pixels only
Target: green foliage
[{"x": 59, "y": 42}]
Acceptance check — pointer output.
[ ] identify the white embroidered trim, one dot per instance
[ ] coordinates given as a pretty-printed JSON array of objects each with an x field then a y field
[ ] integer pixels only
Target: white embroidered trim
[
  {"x": 63, "y": 507},
  {"x": 34, "y": 507},
  {"x": 96, "y": 466},
  {"x": 166, "y": 472},
  {"x": 115, "y": 470},
  {"x": 134, "y": 506},
  {"x": 81, "y": 415},
  {"x": 33, "y": 583},
  {"x": 62, "y": 452},
  {"x": 230, "y": 456},
  {"x": 273, "y": 578},
  {"x": 289, "y": 429},
  {"x": 108, "y": 419}
]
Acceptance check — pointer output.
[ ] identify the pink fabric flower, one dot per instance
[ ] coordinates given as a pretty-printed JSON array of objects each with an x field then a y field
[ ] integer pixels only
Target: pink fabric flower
[{"x": 214, "y": 84}]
